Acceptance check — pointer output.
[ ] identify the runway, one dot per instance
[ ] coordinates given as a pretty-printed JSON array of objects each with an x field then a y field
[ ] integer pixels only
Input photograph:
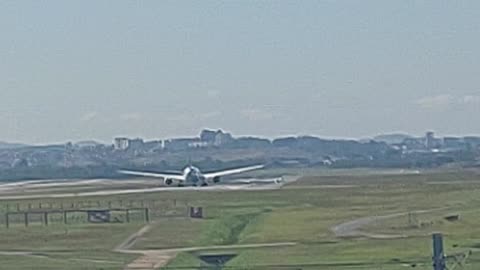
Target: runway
[{"x": 103, "y": 187}]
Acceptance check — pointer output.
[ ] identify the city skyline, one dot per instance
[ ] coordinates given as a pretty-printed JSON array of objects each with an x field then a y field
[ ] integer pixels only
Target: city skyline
[{"x": 237, "y": 136}]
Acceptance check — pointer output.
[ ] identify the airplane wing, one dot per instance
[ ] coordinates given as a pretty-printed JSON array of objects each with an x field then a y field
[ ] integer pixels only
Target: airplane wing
[
  {"x": 233, "y": 171},
  {"x": 155, "y": 175}
]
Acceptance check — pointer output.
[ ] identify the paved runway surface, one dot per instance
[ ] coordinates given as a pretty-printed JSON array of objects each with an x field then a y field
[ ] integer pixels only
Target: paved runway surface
[{"x": 102, "y": 187}]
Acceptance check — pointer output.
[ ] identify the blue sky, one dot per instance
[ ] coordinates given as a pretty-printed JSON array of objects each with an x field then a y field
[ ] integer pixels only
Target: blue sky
[{"x": 74, "y": 70}]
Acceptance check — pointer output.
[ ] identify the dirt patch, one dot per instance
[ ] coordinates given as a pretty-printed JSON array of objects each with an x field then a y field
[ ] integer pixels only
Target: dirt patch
[
  {"x": 353, "y": 228},
  {"x": 151, "y": 260}
]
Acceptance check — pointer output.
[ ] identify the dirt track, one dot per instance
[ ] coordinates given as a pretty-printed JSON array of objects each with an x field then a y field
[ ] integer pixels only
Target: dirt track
[
  {"x": 354, "y": 228},
  {"x": 153, "y": 259}
]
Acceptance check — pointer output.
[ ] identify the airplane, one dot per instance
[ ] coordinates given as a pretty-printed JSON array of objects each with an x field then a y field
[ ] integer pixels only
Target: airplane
[{"x": 192, "y": 176}]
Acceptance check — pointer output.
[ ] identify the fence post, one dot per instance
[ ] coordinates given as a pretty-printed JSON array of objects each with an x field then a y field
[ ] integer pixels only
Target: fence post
[
  {"x": 45, "y": 217},
  {"x": 147, "y": 215},
  {"x": 438, "y": 253}
]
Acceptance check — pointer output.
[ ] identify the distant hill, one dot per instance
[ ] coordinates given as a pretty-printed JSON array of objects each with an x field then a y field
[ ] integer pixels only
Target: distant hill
[
  {"x": 6, "y": 145},
  {"x": 392, "y": 138}
]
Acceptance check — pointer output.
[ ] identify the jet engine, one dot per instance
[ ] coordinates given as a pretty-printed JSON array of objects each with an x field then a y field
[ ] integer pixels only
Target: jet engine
[
  {"x": 168, "y": 181},
  {"x": 216, "y": 179}
]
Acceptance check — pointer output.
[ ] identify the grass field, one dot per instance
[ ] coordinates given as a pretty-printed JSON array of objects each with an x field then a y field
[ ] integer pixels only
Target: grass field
[{"x": 303, "y": 212}]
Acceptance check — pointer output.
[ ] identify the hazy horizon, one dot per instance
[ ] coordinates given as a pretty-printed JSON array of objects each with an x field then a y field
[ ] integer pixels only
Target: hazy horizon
[
  {"x": 94, "y": 70},
  {"x": 193, "y": 135}
]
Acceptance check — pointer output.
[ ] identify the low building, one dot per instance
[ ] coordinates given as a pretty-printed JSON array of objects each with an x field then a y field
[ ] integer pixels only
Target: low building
[
  {"x": 180, "y": 144},
  {"x": 135, "y": 144},
  {"x": 208, "y": 136},
  {"x": 216, "y": 138},
  {"x": 473, "y": 142},
  {"x": 153, "y": 146},
  {"x": 453, "y": 142},
  {"x": 414, "y": 144},
  {"x": 121, "y": 143},
  {"x": 222, "y": 139},
  {"x": 198, "y": 144}
]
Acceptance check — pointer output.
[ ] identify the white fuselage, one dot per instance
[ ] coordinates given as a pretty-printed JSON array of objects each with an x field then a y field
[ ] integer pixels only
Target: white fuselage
[{"x": 193, "y": 176}]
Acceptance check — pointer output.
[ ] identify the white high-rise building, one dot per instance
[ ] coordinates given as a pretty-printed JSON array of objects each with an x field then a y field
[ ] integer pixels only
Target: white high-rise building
[{"x": 121, "y": 143}]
